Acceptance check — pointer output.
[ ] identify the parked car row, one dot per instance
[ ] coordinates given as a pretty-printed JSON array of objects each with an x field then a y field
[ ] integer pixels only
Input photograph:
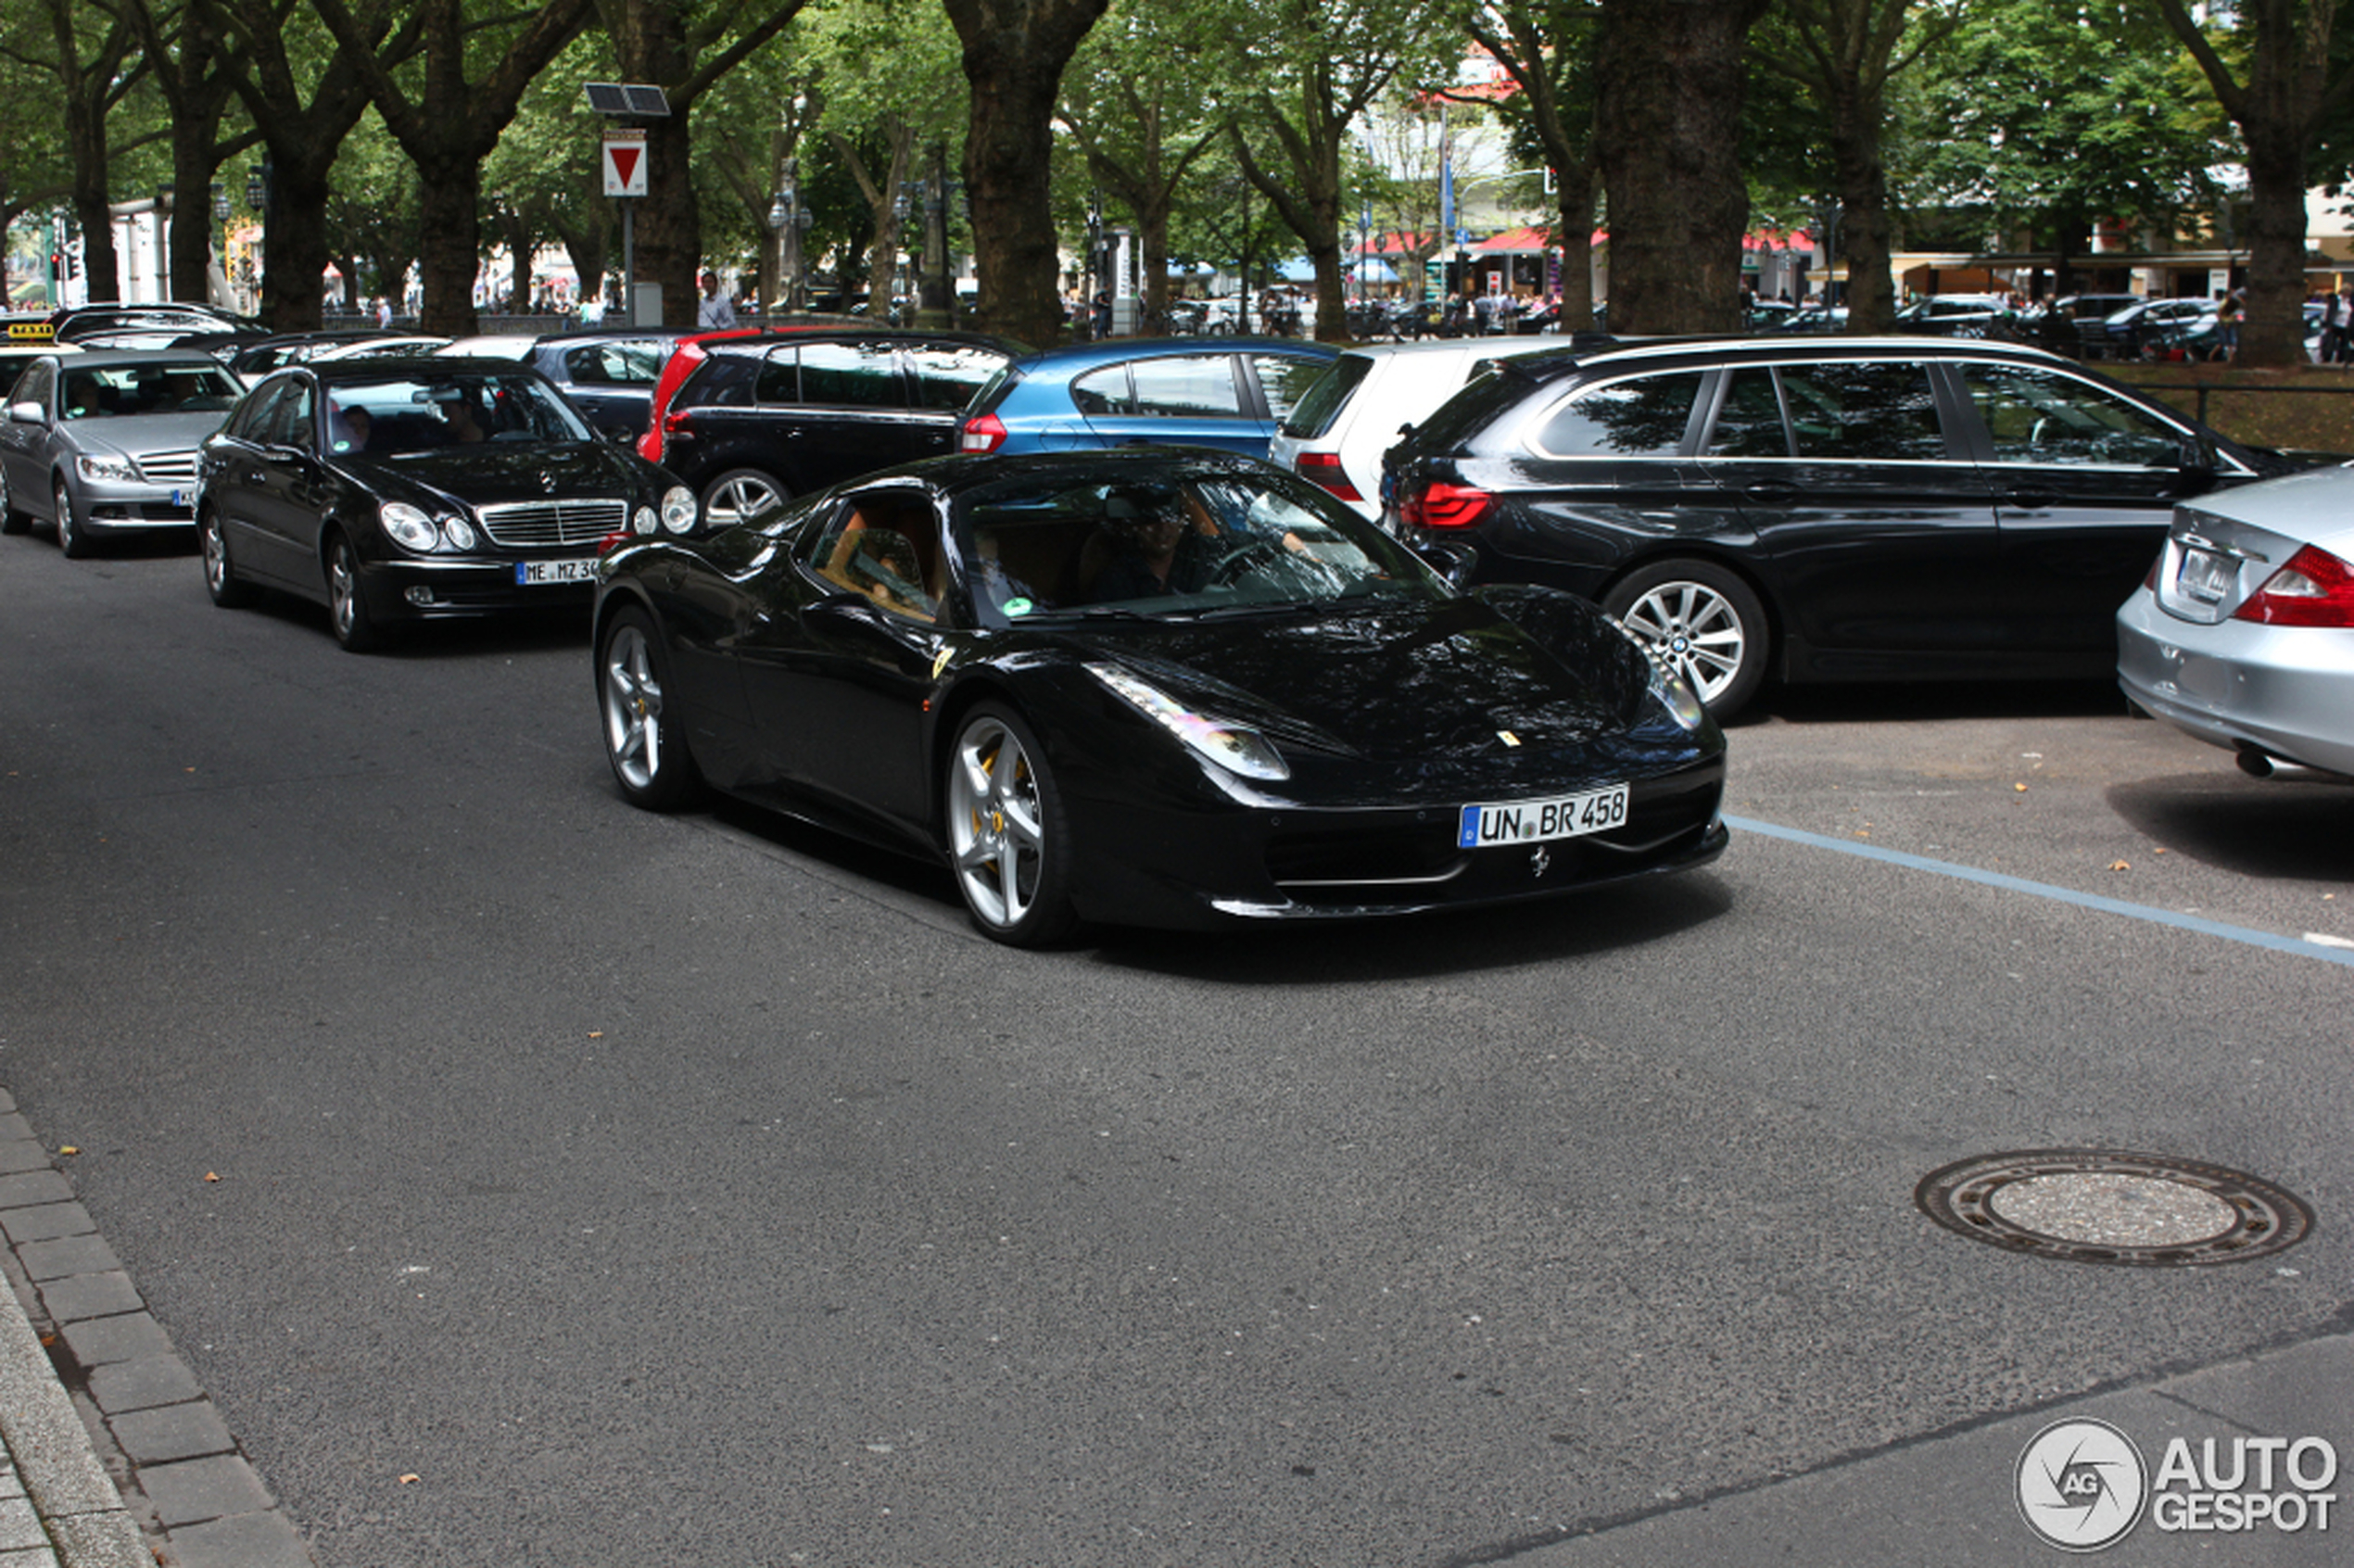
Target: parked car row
[{"x": 945, "y": 655}]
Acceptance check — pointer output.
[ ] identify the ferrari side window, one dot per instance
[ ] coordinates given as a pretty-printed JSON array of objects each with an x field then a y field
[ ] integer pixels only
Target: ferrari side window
[{"x": 876, "y": 554}]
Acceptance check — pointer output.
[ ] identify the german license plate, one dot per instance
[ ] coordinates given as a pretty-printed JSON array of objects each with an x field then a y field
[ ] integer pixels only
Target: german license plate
[
  {"x": 529, "y": 572},
  {"x": 1529, "y": 822},
  {"x": 179, "y": 498},
  {"x": 2204, "y": 576}
]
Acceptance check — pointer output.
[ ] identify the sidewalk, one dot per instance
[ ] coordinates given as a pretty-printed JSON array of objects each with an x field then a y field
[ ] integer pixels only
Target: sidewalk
[{"x": 136, "y": 1426}]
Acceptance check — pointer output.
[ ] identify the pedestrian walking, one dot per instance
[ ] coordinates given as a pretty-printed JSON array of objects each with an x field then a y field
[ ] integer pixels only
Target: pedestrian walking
[{"x": 717, "y": 312}]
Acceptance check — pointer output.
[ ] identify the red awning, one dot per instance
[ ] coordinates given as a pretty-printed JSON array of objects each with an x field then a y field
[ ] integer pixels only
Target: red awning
[{"x": 1523, "y": 241}]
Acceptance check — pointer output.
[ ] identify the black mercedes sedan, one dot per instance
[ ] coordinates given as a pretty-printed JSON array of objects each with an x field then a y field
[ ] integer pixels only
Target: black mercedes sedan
[
  {"x": 1167, "y": 688},
  {"x": 402, "y": 491}
]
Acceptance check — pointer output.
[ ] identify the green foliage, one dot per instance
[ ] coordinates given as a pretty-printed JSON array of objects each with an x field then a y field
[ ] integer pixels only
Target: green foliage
[{"x": 2050, "y": 115}]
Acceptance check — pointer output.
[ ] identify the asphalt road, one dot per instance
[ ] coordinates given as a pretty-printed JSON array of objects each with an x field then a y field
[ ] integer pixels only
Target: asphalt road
[{"x": 701, "y": 1191}]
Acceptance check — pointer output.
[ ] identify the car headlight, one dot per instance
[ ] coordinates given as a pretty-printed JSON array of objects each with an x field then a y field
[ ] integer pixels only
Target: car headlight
[
  {"x": 642, "y": 520},
  {"x": 1236, "y": 748},
  {"x": 1669, "y": 688},
  {"x": 678, "y": 509},
  {"x": 461, "y": 533},
  {"x": 410, "y": 529},
  {"x": 1675, "y": 694},
  {"x": 106, "y": 465}
]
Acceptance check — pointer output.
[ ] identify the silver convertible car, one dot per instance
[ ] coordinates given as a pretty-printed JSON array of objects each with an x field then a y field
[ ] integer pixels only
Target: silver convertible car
[
  {"x": 2242, "y": 634},
  {"x": 104, "y": 443}
]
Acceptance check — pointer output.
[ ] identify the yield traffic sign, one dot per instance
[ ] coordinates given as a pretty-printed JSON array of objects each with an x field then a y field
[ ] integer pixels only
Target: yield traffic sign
[{"x": 625, "y": 163}]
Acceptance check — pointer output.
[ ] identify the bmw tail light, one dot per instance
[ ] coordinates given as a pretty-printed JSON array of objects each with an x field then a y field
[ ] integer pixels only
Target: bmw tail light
[
  {"x": 2314, "y": 589},
  {"x": 1440, "y": 505},
  {"x": 1324, "y": 468},
  {"x": 982, "y": 433}
]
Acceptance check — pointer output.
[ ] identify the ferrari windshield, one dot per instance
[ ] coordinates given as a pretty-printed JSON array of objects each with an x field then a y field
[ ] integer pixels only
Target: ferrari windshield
[
  {"x": 415, "y": 413},
  {"x": 1171, "y": 541}
]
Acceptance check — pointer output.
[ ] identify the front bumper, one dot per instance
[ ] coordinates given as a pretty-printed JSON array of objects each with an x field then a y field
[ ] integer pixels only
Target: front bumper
[
  {"x": 422, "y": 589},
  {"x": 1198, "y": 868},
  {"x": 2287, "y": 691},
  {"x": 108, "y": 505}
]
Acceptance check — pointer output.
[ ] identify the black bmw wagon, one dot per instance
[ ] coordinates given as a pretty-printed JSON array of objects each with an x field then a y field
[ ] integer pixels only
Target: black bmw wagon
[{"x": 1848, "y": 509}]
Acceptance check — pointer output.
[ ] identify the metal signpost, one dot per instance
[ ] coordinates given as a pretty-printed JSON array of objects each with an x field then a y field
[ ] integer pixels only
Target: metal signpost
[{"x": 624, "y": 166}]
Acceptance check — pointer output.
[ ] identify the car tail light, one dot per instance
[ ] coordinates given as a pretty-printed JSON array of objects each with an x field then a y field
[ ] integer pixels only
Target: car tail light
[
  {"x": 1324, "y": 468},
  {"x": 2314, "y": 589},
  {"x": 982, "y": 433},
  {"x": 1440, "y": 505}
]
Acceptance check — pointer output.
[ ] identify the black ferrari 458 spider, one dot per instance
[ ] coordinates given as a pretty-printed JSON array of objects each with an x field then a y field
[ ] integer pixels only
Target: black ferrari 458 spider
[{"x": 1163, "y": 688}]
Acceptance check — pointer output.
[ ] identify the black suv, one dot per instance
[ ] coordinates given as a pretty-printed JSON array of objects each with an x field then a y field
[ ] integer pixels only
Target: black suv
[
  {"x": 1837, "y": 509},
  {"x": 770, "y": 416}
]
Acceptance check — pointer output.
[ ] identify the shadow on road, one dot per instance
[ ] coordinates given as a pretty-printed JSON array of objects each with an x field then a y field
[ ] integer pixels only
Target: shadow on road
[
  {"x": 1927, "y": 702},
  {"x": 1448, "y": 942},
  {"x": 2278, "y": 828},
  {"x": 1290, "y": 953},
  {"x": 514, "y": 631}
]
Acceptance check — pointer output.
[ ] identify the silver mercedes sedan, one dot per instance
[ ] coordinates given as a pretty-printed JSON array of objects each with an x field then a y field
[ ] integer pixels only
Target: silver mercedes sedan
[
  {"x": 106, "y": 443},
  {"x": 2242, "y": 634}
]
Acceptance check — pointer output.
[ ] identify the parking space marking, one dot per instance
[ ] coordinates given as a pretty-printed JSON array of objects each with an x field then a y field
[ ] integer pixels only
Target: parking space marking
[{"x": 2299, "y": 947}]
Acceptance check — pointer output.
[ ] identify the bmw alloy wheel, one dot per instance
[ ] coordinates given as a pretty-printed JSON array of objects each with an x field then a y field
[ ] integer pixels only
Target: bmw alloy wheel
[{"x": 1704, "y": 621}]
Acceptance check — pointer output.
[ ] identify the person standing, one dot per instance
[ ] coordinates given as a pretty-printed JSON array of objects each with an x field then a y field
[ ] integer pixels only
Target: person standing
[{"x": 717, "y": 312}]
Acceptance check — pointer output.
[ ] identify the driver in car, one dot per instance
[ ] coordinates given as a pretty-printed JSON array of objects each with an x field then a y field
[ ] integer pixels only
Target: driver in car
[{"x": 1156, "y": 549}]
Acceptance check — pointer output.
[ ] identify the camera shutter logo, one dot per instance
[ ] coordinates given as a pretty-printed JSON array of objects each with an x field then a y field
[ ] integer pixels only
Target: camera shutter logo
[{"x": 2080, "y": 1485}]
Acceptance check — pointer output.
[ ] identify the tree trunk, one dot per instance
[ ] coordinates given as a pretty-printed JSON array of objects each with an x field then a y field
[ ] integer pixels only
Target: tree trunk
[
  {"x": 1576, "y": 237},
  {"x": 449, "y": 202},
  {"x": 1670, "y": 87},
  {"x": 294, "y": 240},
  {"x": 1013, "y": 55},
  {"x": 1862, "y": 214},
  {"x": 2272, "y": 335},
  {"x": 669, "y": 221}
]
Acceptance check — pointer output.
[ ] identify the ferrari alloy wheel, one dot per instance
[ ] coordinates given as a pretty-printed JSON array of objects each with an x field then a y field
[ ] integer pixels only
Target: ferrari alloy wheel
[
  {"x": 73, "y": 536},
  {"x": 13, "y": 518},
  {"x": 1705, "y": 620},
  {"x": 348, "y": 612},
  {"x": 648, "y": 758},
  {"x": 1006, "y": 836},
  {"x": 221, "y": 578},
  {"x": 738, "y": 495}
]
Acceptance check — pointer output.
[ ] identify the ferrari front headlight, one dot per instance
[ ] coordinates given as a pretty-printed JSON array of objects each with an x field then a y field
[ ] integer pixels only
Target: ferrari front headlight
[{"x": 1236, "y": 748}]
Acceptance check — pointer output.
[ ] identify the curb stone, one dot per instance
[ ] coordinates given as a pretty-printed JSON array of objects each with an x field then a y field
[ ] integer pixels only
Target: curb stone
[{"x": 137, "y": 1432}]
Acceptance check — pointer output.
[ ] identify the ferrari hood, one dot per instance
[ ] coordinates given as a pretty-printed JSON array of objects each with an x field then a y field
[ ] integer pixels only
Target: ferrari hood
[{"x": 1388, "y": 682}]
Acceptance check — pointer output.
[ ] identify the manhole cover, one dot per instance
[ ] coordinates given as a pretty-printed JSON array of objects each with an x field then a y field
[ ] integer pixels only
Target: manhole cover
[{"x": 2097, "y": 1206}]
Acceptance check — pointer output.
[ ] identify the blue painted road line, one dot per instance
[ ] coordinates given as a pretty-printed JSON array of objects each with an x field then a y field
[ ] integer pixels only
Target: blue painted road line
[{"x": 2302, "y": 949}]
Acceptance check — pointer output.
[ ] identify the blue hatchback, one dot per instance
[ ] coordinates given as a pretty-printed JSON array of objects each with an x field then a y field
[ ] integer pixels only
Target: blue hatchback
[{"x": 1225, "y": 392}]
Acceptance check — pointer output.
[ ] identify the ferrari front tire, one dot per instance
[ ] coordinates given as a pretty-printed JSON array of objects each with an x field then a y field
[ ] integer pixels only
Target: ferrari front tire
[
  {"x": 1008, "y": 840},
  {"x": 649, "y": 755}
]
